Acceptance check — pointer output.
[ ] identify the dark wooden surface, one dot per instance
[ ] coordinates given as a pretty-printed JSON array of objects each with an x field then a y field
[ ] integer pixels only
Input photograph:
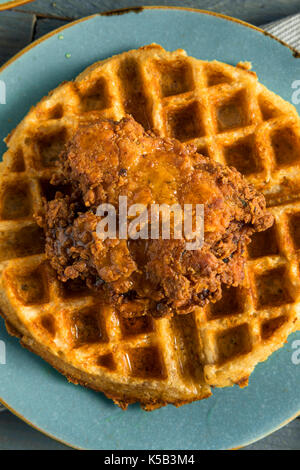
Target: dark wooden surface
[{"x": 21, "y": 26}]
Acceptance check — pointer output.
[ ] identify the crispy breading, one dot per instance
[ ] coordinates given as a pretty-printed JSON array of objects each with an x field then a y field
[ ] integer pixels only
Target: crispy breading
[{"x": 109, "y": 159}]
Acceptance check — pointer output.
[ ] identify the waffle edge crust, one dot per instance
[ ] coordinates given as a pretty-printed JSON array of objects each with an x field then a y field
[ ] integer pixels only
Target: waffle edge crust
[{"x": 230, "y": 117}]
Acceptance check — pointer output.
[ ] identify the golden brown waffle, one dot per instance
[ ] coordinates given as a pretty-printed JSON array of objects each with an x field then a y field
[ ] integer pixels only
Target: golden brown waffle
[{"x": 233, "y": 119}]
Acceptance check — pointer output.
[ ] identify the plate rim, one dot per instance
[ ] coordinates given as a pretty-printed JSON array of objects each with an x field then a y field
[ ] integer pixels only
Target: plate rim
[
  {"x": 13, "y": 4},
  {"x": 121, "y": 11}
]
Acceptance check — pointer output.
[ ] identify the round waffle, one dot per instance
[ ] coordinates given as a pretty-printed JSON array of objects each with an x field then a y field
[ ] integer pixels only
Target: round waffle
[{"x": 231, "y": 118}]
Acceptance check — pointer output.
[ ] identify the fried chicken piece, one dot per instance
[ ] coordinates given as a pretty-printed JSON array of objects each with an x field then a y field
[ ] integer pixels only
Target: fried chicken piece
[{"x": 109, "y": 159}]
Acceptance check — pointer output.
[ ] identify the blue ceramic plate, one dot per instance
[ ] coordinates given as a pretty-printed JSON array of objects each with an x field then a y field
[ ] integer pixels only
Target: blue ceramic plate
[{"x": 35, "y": 391}]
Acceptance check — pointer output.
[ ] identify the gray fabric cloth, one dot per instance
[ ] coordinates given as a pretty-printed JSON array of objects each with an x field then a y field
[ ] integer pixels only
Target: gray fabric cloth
[{"x": 288, "y": 30}]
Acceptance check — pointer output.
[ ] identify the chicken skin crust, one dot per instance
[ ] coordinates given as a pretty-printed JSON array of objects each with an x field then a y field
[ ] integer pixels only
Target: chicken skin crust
[{"x": 106, "y": 160}]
